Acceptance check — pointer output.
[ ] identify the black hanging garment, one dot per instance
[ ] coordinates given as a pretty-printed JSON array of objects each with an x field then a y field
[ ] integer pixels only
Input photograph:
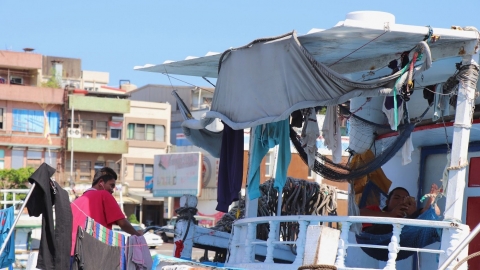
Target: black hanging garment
[
  {"x": 56, "y": 241},
  {"x": 91, "y": 254}
]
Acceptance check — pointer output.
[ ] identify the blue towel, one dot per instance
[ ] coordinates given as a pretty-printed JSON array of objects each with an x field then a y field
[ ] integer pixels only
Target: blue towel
[
  {"x": 266, "y": 137},
  {"x": 6, "y": 224}
]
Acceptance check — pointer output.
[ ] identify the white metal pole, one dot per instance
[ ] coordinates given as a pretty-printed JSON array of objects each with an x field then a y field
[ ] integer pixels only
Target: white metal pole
[
  {"x": 459, "y": 160},
  {"x": 5, "y": 241},
  {"x": 460, "y": 248},
  {"x": 72, "y": 181}
]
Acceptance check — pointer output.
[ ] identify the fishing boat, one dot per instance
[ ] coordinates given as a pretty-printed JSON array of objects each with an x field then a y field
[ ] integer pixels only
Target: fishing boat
[{"x": 411, "y": 96}]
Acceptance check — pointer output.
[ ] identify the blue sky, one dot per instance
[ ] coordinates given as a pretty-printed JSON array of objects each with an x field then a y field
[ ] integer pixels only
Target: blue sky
[{"x": 115, "y": 36}]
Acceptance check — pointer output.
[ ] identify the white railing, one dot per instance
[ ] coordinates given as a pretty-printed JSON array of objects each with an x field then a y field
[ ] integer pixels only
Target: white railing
[
  {"x": 13, "y": 201},
  {"x": 242, "y": 247}
]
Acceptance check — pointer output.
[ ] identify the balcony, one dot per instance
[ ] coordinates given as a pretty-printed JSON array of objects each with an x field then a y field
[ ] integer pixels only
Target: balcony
[
  {"x": 20, "y": 60},
  {"x": 33, "y": 94},
  {"x": 98, "y": 146},
  {"x": 99, "y": 104}
]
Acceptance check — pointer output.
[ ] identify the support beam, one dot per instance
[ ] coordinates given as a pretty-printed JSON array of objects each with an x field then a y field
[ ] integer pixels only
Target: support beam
[{"x": 459, "y": 159}]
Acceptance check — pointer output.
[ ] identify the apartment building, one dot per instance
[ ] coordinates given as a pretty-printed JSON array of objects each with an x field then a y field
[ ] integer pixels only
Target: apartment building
[
  {"x": 147, "y": 130},
  {"x": 25, "y": 108}
]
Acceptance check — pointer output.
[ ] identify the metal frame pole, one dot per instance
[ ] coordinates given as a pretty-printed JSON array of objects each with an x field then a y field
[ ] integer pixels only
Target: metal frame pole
[
  {"x": 460, "y": 247},
  {"x": 16, "y": 219}
]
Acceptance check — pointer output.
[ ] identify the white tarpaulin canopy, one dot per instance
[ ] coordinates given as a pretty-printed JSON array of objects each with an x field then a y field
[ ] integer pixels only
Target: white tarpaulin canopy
[{"x": 266, "y": 81}]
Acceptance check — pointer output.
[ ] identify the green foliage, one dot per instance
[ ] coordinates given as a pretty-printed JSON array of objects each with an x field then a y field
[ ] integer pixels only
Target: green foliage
[
  {"x": 52, "y": 81},
  {"x": 15, "y": 178},
  {"x": 133, "y": 219}
]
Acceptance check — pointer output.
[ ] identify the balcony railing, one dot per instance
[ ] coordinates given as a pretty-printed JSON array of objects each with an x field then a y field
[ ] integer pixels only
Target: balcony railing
[
  {"x": 41, "y": 95},
  {"x": 89, "y": 145}
]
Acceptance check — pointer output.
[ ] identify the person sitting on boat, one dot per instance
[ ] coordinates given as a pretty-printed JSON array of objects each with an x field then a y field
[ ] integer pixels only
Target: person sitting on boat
[{"x": 400, "y": 205}]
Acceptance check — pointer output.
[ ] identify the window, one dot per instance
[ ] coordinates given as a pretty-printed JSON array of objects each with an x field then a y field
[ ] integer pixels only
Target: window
[
  {"x": 85, "y": 170},
  {"x": 2, "y": 159},
  {"x": 139, "y": 132},
  {"x": 34, "y": 159},
  {"x": 87, "y": 128},
  {"x": 51, "y": 159},
  {"x": 150, "y": 136},
  {"x": 159, "y": 133},
  {"x": 17, "y": 159},
  {"x": 1, "y": 118},
  {"x": 16, "y": 80},
  {"x": 115, "y": 167},
  {"x": 144, "y": 132},
  {"x": 115, "y": 134},
  {"x": 102, "y": 129},
  {"x": 268, "y": 164},
  {"x": 142, "y": 170},
  {"x": 99, "y": 165},
  {"x": 33, "y": 121}
]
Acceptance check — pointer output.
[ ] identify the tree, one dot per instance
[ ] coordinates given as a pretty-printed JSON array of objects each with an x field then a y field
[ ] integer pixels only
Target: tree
[
  {"x": 52, "y": 81},
  {"x": 15, "y": 179}
]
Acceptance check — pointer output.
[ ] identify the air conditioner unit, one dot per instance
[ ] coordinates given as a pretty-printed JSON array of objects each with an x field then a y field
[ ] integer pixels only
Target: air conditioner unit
[{"x": 74, "y": 133}]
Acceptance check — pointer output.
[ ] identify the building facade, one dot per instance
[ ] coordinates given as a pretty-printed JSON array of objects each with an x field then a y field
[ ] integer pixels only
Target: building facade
[
  {"x": 30, "y": 131},
  {"x": 146, "y": 128}
]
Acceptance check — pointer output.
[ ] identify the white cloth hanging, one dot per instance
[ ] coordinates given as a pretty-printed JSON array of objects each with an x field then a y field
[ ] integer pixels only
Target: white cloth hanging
[
  {"x": 390, "y": 113},
  {"x": 310, "y": 133},
  {"x": 331, "y": 134}
]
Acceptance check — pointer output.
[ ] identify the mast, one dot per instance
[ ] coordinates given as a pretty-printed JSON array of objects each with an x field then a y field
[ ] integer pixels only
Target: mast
[{"x": 459, "y": 160}]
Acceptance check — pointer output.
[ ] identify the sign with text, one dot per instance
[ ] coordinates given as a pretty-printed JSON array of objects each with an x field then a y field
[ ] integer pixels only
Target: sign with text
[
  {"x": 149, "y": 183},
  {"x": 176, "y": 174}
]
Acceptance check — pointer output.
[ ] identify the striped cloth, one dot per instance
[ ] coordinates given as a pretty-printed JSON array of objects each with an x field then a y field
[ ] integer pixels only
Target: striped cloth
[{"x": 108, "y": 237}]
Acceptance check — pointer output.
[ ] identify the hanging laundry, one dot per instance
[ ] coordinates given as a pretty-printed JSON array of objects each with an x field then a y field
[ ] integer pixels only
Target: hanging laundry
[
  {"x": 92, "y": 254},
  {"x": 310, "y": 134},
  {"x": 266, "y": 137},
  {"x": 230, "y": 168},
  {"x": 104, "y": 201},
  {"x": 109, "y": 237},
  {"x": 389, "y": 111},
  {"x": 138, "y": 254},
  {"x": 55, "y": 242},
  {"x": 6, "y": 224},
  {"x": 331, "y": 134}
]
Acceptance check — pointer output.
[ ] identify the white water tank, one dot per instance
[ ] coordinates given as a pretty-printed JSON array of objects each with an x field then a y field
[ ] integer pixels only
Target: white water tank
[{"x": 371, "y": 16}]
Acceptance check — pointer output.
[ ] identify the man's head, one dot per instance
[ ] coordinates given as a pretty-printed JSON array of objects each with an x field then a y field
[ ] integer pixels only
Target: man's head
[
  {"x": 110, "y": 171},
  {"x": 396, "y": 197},
  {"x": 104, "y": 181}
]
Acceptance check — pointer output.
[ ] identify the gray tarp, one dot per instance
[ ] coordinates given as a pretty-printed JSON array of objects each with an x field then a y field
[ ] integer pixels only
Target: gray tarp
[{"x": 267, "y": 80}]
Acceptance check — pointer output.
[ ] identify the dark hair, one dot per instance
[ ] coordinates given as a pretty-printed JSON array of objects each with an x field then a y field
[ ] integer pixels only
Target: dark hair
[
  {"x": 110, "y": 171},
  {"x": 390, "y": 194},
  {"x": 100, "y": 176}
]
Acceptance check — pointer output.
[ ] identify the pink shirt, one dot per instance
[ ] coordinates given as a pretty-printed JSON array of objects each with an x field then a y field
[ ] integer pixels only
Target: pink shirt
[{"x": 97, "y": 204}]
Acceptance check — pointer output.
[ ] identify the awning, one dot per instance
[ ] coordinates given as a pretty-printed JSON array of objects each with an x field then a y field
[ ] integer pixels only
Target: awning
[
  {"x": 140, "y": 194},
  {"x": 380, "y": 42},
  {"x": 127, "y": 200}
]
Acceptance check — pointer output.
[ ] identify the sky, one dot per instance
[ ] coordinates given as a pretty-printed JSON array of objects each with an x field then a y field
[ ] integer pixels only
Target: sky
[{"x": 114, "y": 36}]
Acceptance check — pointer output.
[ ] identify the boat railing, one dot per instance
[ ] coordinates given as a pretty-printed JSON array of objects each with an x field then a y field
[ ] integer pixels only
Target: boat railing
[
  {"x": 15, "y": 198},
  {"x": 242, "y": 247}
]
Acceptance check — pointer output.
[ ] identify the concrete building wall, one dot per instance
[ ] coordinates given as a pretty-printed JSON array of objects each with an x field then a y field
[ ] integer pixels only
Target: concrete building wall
[
  {"x": 142, "y": 152},
  {"x": 21, "y": 60}
]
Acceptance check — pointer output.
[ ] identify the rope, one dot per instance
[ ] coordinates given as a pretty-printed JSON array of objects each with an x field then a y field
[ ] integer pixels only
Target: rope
[
  {"x": 317, "y": 266},
  {"x": 358, "y": 48},
  {"x": 473, "y": 255}
]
